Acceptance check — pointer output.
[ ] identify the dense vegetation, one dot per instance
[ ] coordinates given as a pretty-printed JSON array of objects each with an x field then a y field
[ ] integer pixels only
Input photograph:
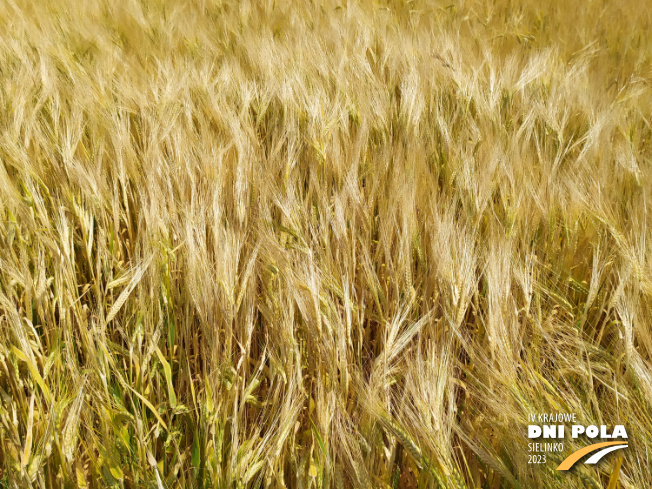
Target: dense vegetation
[{"x": 320, "y": 244}]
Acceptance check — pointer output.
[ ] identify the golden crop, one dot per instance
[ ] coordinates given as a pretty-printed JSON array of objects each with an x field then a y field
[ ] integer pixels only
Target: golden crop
[{"x": 310, "y": 244}]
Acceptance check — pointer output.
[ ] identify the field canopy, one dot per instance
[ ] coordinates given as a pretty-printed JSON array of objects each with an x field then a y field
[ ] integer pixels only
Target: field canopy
[{"x": 281, "y": 244}]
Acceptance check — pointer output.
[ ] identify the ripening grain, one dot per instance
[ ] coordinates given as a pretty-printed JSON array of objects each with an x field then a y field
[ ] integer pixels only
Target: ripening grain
[{"x": 275, "y": 244}]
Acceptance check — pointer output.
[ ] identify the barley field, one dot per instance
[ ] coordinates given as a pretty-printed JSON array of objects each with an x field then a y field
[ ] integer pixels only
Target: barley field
[{"x": 323, "y": 244}]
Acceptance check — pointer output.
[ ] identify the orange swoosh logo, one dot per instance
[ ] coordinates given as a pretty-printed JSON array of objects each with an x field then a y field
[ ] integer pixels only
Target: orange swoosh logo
[{"x": 575, "y": 456}]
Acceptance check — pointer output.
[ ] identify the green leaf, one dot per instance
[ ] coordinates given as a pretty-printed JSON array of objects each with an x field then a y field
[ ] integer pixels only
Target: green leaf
[
  {"x": 167, "y": 370},
  {"x": 195, "y": 452},
  {"x": 116, "y": 471},
  {"x": 319, "y": 440}
]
